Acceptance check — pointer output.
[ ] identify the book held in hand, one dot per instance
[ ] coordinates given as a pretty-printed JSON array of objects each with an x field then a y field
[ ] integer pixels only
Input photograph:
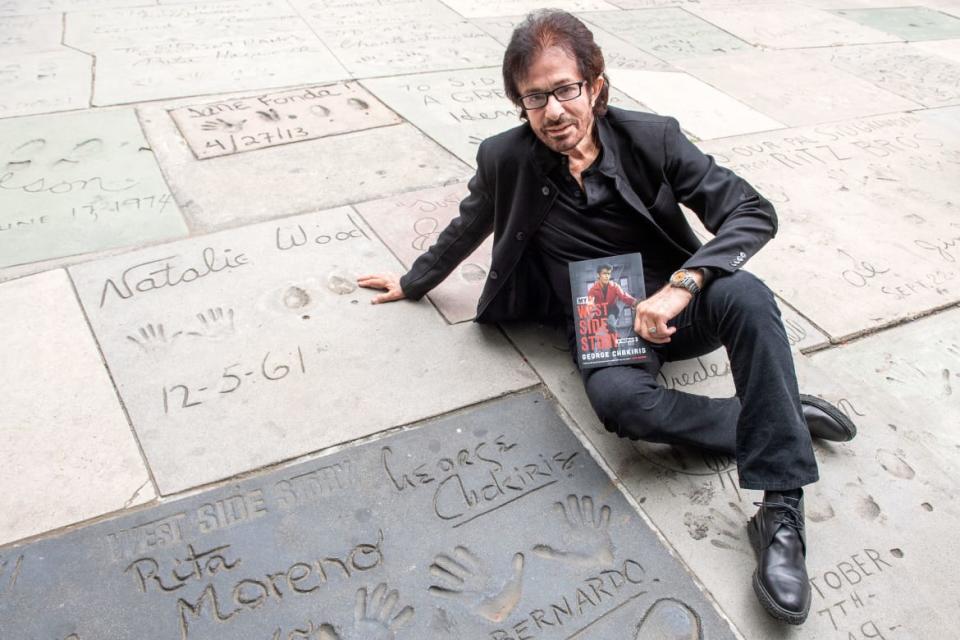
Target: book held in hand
[{"x": 605, "y": 294}]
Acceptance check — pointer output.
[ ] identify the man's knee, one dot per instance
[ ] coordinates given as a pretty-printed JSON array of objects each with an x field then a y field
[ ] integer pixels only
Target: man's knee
[
  {"x": 744, "y": 293},
  {"x": 631, "y": 408}
]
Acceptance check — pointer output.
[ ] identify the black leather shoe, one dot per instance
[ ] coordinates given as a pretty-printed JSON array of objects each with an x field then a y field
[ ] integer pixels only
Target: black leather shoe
[
  {"x": 826, "y": 421},
  {"x": 777, "y": 535}
]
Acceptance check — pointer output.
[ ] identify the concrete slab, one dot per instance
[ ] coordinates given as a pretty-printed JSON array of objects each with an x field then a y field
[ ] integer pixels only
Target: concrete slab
[
  {"x": 904, "y": 69},
  {"x": 33, "y": 7},
  {"x": 44, "y": 81},
  {"x": 907, "y": 23},
  {"x": 701, "y": 109},
  {"x": 787, "y": 26},
  {"x": 830, "y": 183},
  {"x": 68, "y": 452},
  {"x": 945, "y": 118},
  {"x": 410, "y": 223},
  {"x": 616, "y": 52},
  {"x": 817, "y": 91},
  {"x": 212, "y": 65},
  {"x": 409, "y": 36},
  {"x": 21, "y": 34},
  {"x": 459, "y": 109},
  {"x": 669, "y": 33},
  {"x": 912, "y": 370},
  {"x": 76, "y": 183},
  {"x": 944, "y": 48},
  {"x": 340, "y": 528},
  {"x": 310, "y": 175},
  {"x": 269, "y": 120},
  {"x": 863, "y": 519},
  {"x": 484, "y": 8},
  {"x": 183, "y": 23},
  {"x": 261, "y": 336}
]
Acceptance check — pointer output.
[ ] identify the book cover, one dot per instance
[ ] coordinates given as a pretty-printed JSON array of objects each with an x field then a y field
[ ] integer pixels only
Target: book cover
[{"x": 605, "y": 294}]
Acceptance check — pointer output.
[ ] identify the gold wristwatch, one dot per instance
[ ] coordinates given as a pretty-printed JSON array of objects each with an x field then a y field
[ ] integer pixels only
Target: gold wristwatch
[{"x": 683, "y": 279}]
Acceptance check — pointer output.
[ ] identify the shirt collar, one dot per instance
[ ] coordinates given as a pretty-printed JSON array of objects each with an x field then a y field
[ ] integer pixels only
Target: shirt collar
[{"x": 606, "y": 162}]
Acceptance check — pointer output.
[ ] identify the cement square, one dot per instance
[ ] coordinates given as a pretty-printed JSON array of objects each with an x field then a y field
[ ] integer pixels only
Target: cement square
[
  {"x": 908, "y": 23},
  {"x": 491, "y": 523},
  {"x": 669, "y": 33},
  {"x": 274, "y": 119},
  {"x": 701, "y": 109},
  {"x": 409, "y": 36},
  {"x": 907, "y": 70},
  {"x": 33, "y": 7},
  {"x": 912, "y": 370},
  {"x": 68, "y": 453},
  {"x": 96, "y": 31},
  {"x": 260, "y": 335},
  {"x": 80, "y": 182},
  {"x": 165, "y": 70},
  {"x": 44, "y": 81},
  {"x": 944, "y": 48},
  {"x": 865, "y": 516},
  {"x": 616, "y": 52},
  {"x": 829, "y": 184},
  {"x": 21, "y": 34},
  {"x": 787, "y": 26},
  {"x": 459, "y": 109},
  {"x": 410, "y": 223},
  {"x": 294, "y": 178},
  {"x": 817, "y": 91},
  {"x": 485, "y": 8}
]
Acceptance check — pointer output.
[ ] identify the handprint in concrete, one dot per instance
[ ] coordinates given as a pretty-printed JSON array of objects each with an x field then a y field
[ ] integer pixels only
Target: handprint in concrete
[
  {"x": 585, "y": 540},
  {"x": 373, "y": 617},
  {"x": 462, "y": 577}
]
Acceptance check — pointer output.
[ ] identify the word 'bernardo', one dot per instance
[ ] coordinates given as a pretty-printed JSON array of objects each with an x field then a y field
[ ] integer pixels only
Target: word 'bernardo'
[{"x": 169, "y": 272}]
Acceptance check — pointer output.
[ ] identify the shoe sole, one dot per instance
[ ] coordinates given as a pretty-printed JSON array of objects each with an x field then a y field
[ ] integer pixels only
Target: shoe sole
[
  {"x": 771, "y": 606},
  {"x": 849, "y": 428}
]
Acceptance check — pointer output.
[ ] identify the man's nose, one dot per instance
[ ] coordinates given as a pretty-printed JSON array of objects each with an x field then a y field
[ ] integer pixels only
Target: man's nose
[{"x": 553, "y": 108}]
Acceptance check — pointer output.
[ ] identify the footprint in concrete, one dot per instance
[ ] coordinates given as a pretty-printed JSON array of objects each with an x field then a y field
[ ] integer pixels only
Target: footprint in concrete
[
  {"x": 819, "y": 511},
  {"x": 295, "y": 298},
  {"x": 472, "y": 273},
  {"x": 894, "y": 464},
  {"x": 585, "y": 540},
  {"x": 669, "y": 619},
  {"x": 866, "y": 507},
  {"x": 462, "y": 577}
]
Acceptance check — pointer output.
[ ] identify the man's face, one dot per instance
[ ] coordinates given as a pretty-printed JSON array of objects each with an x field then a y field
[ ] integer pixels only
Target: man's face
[
  {"x": 604, "y": 276},
  {"x": 562, "y": 126}
]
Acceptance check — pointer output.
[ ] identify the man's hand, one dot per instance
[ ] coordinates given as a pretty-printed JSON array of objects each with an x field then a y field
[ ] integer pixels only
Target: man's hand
[
  {"x": 650, "y": 323},
  {"x": 385, "y": 281}
]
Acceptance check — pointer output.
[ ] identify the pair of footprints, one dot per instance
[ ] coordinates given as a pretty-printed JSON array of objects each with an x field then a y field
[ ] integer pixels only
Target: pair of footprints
[{"x": 584, "y": 540}]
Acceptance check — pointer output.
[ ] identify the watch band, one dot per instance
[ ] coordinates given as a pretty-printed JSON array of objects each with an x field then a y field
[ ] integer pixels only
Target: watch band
[{"x": 682, "y": 279}]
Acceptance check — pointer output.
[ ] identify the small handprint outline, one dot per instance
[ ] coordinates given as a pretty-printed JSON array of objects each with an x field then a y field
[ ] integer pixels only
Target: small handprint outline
[
  {"x": 587, "y": 538},
  {"x": 463, "y": 577}
]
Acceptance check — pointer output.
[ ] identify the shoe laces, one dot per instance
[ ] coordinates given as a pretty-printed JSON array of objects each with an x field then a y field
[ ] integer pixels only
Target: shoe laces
[{"x": 788, "y": 514}]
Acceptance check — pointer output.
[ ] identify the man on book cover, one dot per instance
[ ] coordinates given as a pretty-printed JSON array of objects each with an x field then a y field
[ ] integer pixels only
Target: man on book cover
[
  {"x": 604, "y": 295},
  {"x": 581, "y": 180}
]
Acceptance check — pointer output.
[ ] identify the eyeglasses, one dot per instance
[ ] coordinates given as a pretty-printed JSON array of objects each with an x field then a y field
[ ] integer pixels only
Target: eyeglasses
[{"x": 562, "y": 93}]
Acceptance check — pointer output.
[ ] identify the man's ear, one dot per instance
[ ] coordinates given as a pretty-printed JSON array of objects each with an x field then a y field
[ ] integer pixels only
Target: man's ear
[{"x": 595, "y": 89}]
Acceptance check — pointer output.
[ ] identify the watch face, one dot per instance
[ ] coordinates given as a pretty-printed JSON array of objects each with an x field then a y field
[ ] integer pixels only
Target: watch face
[{"x": 679, "y": 276}]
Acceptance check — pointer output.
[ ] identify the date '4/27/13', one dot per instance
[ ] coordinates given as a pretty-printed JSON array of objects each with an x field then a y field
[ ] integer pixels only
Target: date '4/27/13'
[{"x": 271, "y": 369}]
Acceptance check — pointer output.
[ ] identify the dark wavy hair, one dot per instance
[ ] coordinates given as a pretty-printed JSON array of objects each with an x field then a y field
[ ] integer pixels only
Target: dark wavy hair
[{"x": 553, "y": 28}]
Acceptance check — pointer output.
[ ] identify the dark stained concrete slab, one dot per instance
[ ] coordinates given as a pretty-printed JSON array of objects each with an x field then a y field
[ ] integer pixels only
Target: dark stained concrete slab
[{"x": 493, "y": 523}]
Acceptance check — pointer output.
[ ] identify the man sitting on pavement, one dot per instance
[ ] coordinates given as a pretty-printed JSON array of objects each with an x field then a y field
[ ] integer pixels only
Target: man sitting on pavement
[{"x": 581, "y": 180}]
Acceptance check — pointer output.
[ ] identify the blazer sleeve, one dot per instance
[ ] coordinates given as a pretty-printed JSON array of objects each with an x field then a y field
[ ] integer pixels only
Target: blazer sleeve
[
  {"x": 457, "y": 241},
  {"x": 741, "y": 220}
]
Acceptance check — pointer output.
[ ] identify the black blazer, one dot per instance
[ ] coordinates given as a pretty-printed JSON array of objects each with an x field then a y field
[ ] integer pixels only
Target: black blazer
[{"x": 657, "y": 168}]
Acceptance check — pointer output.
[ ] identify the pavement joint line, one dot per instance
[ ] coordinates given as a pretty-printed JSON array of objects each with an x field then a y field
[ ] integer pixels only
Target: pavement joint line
[
  {"x": 113, "y": 383},
  {"x": 872, "y": 331},
  {"x": 316, "y": 35},
  {"x": 164, "y": 499}
]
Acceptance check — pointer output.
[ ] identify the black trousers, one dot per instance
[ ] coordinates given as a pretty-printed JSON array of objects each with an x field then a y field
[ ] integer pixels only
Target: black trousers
[{"x": 762, "y": 427}]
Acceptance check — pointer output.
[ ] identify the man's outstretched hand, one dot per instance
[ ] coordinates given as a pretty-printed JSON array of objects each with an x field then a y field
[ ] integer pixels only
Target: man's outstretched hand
[
  {"x": 390, "y": 282},
  {"x": 653, "y": 314}
]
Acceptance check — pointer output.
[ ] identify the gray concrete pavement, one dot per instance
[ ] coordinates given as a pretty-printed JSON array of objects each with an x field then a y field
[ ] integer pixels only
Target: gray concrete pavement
[{"x": 188, "y": 190}]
